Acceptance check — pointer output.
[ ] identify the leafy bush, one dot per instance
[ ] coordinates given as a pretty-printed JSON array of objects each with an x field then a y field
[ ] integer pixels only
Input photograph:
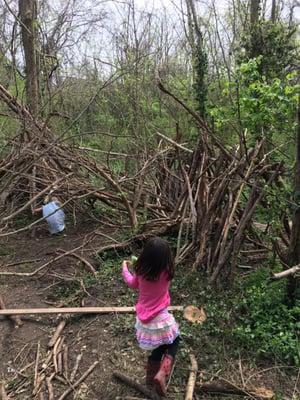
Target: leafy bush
[
  {"x": 265, "y": 323},
  {"x": 252, "y": 316}
]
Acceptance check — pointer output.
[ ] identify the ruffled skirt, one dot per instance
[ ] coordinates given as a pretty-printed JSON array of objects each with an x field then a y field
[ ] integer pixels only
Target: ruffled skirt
[{"x": 163, "y": 329}]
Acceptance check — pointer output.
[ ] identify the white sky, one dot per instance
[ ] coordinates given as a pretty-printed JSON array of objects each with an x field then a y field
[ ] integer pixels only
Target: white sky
[
  {"x": 98, "y": 43},
  {"x": 221, "y": 4}
]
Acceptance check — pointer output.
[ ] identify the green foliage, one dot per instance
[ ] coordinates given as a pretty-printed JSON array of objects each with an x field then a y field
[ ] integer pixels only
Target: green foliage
[
  {"x": 200, "y": 85},
  {"x": 265, "y": 323},
  {"x": 261, "y": 107},
  {"x": 277, "y": 204},
  {"x": 274, "y": 43},
  {"x": 251, "y": 317}
]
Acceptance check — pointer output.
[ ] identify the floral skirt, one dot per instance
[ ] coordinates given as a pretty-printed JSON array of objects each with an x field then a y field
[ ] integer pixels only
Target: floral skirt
[{"x": 163, "y": 329}]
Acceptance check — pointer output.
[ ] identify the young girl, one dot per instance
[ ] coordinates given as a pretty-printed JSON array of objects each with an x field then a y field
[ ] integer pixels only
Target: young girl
[{"x": 156, "y": 328}]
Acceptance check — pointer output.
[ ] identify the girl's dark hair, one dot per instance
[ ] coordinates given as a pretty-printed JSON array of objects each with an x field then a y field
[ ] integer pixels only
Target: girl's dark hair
[{"x": 155, "y": 258}]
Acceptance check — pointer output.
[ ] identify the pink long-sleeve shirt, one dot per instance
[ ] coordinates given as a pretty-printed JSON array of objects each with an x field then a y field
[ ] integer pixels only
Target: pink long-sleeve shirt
[{"x": 153, "y": 295}]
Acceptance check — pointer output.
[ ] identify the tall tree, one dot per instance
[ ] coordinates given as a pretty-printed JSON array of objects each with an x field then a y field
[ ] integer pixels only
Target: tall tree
[
  {"x": 254, "y": 12},
  {"x": 294, "y": 248},
  {"x": 199, "y": 57},
  {"x": 274, "y": 11},
  {"x": 28, "y": 20}
]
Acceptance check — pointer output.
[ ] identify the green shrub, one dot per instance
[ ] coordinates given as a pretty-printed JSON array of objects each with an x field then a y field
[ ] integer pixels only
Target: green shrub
[{"x": 265, "y": 323}]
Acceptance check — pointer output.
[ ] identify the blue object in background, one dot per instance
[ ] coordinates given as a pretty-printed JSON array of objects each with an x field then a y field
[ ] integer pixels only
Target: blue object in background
[{"x": 54, "y": 216}]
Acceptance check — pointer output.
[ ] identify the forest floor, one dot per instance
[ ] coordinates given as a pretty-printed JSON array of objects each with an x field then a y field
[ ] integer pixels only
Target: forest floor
[{"x": 109, "y": 339}]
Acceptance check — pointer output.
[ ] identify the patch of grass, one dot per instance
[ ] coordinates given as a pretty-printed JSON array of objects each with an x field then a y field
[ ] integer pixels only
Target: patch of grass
[
  {"x": 65, "y": 290},
  {"x": 110, "y": 262},
  {"x": 265, "y": 323},
  {"x": 250, "y": 317},
  {"x": 108, "y": 267},
  {"x": 103, "y": 209}
]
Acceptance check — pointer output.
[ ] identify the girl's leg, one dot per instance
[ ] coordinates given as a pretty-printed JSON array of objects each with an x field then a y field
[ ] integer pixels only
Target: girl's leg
[
  {"x": 158, "y": 353},
  {"x": 166, "y": 365},
  {"x": 153, "y": 364},
  {"x": 172, "y": 348}
]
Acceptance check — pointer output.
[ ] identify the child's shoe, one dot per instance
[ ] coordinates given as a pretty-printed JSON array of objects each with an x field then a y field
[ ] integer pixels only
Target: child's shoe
[{"x": 161, "y": 378}]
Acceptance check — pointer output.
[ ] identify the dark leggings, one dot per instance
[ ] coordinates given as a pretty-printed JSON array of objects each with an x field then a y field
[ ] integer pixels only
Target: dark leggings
[{"x": 171, "y": 349}]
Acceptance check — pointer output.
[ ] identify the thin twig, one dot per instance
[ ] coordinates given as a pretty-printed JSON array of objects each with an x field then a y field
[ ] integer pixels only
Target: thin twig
[{"x": 78, "y": 382}]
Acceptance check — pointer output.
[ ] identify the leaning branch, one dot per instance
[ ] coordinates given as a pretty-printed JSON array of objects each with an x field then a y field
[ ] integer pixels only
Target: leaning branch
[
  {"x": 180, "y": 146},
  {"x": 286, "y": 273}
]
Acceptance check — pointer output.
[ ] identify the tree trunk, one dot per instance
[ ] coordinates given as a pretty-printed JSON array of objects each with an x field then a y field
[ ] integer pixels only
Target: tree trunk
[
  {"x": 254, "y": 11},
  {"x": 199, "y": 57},
  {"x": 294, "y": 249},
  {"x": 28, "y": 17},
  {"x": 274, "y": 11}
]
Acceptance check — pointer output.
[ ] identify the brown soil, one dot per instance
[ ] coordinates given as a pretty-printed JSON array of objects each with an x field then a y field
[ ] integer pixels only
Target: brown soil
[{"x": 106, "y": 338}]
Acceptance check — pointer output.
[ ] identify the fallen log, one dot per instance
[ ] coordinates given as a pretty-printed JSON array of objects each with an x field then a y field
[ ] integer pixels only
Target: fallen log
[
  {"x": 76, "y": 310},
  {"x": 227, "y": 388},
  {"x": 137, "y": 386},
  {"x": 192, "y": 378}
]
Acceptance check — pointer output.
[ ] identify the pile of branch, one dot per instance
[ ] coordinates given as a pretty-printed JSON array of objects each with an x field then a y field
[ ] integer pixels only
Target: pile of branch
[
  {"x": 50, "y": 373},
  {"x": 206, "y": 196},
  {"x": 38, "y": 163}
]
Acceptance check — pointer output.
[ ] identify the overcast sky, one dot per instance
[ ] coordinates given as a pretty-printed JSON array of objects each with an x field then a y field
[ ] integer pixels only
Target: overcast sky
[
  {"x": 103, "y": 32},
  {"x": 221, "y": 4}
]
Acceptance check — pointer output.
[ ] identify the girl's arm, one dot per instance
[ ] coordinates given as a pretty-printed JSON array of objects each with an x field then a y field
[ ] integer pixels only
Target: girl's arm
[
  {"x": 130, "y": 279},
  {"x": 37, "y": 210}
]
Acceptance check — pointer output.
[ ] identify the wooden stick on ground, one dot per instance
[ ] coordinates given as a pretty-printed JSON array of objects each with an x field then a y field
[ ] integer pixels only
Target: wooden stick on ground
[
  {"x": 73, "y": 373},
  {"x": 88, "y": 266},
  {"x": 17, "y": 320},
  {"x": 50, "y": 387},
  {"x": 3, "y": 392},
  {"x": 55, "y": 352},
  {"x": 192, "y": 378},
  {"x": 137, "y": 386},
  {"x": 65, "y": 361},
  {"x": 227, "y": 388},
  {"x": 76, "y": 310},
  {"x": 78, "y": 382},
  {"x": 42, "y": 396},
  {"x": 57, "y": 332},
  {"x": 36, "y": 367},
  {"x": 46, "y": 264},
  {"x": 59, "y": 363}
]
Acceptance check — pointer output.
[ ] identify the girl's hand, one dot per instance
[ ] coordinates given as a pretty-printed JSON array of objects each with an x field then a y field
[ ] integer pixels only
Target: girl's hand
[{"x": 126, "y": 264}]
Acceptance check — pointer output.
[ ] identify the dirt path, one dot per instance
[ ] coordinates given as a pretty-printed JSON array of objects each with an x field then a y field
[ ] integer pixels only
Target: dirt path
[
  {"x": 96, "y": 338},
  {"x": 108, "y": 339}
]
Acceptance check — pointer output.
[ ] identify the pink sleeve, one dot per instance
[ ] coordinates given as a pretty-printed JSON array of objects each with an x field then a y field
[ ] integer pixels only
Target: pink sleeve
[{"x": 130, "y": 279}]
